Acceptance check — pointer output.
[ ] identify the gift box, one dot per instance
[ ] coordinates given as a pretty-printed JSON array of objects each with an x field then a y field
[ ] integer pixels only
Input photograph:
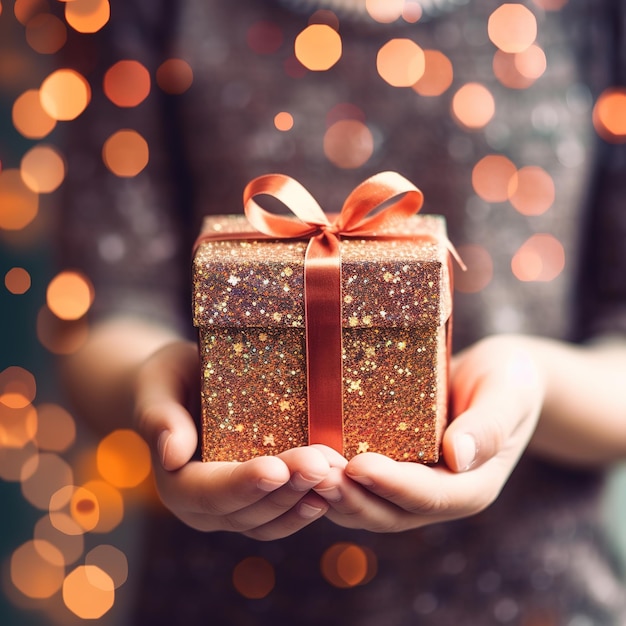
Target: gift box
[{"x": 379, "y": 382}]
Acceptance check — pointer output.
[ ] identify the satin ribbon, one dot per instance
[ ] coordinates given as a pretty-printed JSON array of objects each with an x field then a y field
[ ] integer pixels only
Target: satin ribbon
[{"x": 374, "y": 209}]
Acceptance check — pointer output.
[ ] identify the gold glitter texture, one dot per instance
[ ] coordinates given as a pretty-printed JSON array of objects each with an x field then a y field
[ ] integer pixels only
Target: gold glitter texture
[{"x": 249, "y": 309}]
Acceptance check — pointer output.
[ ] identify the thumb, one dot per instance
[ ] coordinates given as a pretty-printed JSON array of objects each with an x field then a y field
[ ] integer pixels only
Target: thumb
[
  {"x": 499, "y": 413},
  {"x": 163, "y": 386}
]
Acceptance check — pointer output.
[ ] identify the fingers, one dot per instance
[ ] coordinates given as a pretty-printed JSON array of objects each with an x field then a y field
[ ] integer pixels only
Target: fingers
[
  {"x": 382, "y": 495},
  {"x": 498, "y": 406},
  {"x": 162, "y": 389},
  {"x": 310, "y": 508},
  {"x": 265, "y": 498}
]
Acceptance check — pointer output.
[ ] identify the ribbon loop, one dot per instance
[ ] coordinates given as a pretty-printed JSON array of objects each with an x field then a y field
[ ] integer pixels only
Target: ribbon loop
[
  {"x": 295, "y": 197},
  {"x": 373, "y": 194}
]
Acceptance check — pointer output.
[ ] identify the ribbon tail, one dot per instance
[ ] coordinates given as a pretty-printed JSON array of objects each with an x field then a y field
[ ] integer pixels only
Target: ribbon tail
[{"x": 322, "y": 284}]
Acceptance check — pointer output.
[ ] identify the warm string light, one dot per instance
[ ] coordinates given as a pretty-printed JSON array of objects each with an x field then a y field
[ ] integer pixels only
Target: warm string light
[
  {"x": 318, "y": 47},
  {"x": 609, "y": 115},
  {"x": 87, "y": 16},
  {"x": 347, "y": 565}
]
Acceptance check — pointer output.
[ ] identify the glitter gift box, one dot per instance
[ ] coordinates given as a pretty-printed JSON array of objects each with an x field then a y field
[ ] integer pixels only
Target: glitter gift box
[{"x": 248, "y": 307}]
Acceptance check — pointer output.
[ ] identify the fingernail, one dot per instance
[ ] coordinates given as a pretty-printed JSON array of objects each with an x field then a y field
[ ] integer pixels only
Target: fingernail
[
  {"x": 464, "y": 451},
  {"x": 308, "y": 511},
  {"x": 300, "y": 483},
  {"x": 268, "y": 485},
  {"x": 366, "y": 481},
  {"x": 162, "y": 446},
  {"x": 332, "y": 494}
]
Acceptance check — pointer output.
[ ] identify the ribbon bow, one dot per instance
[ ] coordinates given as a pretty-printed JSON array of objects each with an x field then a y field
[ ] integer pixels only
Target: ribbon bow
[{"x": 371, "y": 210}]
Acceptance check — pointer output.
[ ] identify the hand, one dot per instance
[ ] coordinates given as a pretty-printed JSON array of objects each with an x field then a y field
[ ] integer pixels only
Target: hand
[
  {"x": 264, "y": 498},
  {"x": 496, "y": 396}
]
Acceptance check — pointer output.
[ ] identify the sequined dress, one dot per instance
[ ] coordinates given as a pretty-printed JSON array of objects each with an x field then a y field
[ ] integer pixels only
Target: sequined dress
[{"x": 536, "y": 556}]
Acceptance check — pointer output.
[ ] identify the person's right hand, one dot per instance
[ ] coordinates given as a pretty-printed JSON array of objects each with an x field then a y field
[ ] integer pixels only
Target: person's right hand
[{"x": 265, "y": 498}]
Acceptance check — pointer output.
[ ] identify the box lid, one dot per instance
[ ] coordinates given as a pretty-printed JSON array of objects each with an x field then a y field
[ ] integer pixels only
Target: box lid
[{"x": 260, "y": 283}]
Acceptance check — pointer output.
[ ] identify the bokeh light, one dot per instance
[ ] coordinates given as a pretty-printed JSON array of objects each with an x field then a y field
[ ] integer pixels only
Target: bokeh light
[
  {"x": 491, "y": 177},
  {"x": 126, "y": 153},
  {"x": 174, "y": 76},
  {"x": 539, "y": 258},
  {"x": 17, "y": 280},
  {"x": 61, "y": 521},
  {"x": 92, "y": 507},
  {"x": 348, "y": 144},
  {"x": 69, "y": 295},
  {"x": 60, "y": 336},
  {"x": 46, "y": 33},
  {"x": 473, "y": 106},
  {"x": 18, "y": 387},
  {"x": 19, "y": 204},
  {"x": 110, "y": 560},
  {"x": 531, "y": 190},
  {"x": 264, "y": 37},
  {"x": 84, "y": 508},
  {"x": 127, "y": 83},
  {"x": 123, "y": 458},
  {"x": 412, "y": 11},
  {"x": 87, "y": 16},
  {"x": 438, "y": 74},
  {"x": 283, "y": 121},
  {"x": 88, "y": 591},
  {"x": 479, "y": 269},
  {"x": 512, "y": 27},
  {"x": 532, "y": 62},
  {"x": 35, "y": 575},
  {"x": 65, "y": 93},
  {"x": 609, "y": 115},
  {"x": 325, "y": 16},
  {"x": 15, "y": 462},
  {"x": 30, "y": 118},
  {"x": 521, "y": 69},
  {"x": 254, "y": 577},
  {"x": 17, "y": 426},
  {"x": 345, "y": 111},
  {"x": 550, "y": 5},
  {"x": 71, "y": 545},
  {"x": 61, "y": 498},
  {"x": 110, "y": 505},
  {"x": 43, "y": 168},
  {"x": 318, "y": 47},
  {"x": 44, "y": 475},
  {"x": 385, "y": 11},
  {"x": 56, "y": 429},
  {"x": 25, "y": 10},
  {"x": 347, "y": 565},
  {"x": 400, "y": 62}
]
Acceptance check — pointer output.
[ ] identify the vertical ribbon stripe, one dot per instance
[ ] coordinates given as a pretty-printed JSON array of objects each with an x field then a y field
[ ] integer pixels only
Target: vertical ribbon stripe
[{"x": 322, "y": 302}]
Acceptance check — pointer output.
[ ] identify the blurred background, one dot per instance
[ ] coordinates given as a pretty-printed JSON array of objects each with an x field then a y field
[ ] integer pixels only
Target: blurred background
[{"x": 72, "y": 503}]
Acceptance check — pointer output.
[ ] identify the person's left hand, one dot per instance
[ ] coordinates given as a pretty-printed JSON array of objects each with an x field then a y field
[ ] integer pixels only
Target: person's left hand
[{"x": 496, "y": 397}]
